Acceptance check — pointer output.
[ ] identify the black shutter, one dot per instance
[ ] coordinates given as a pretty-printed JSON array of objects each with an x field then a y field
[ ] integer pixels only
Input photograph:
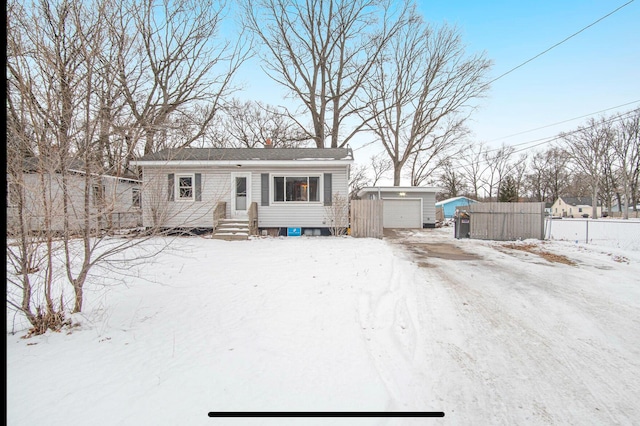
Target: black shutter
[
  {"x": 198, "y": 187},
  {"x": 171, "y": 192},
  {"x": 264, "y": 187},
  {"x": 327, "y": 189}
]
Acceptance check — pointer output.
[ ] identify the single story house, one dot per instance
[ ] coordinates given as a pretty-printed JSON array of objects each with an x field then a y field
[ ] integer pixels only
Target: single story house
[
  {"x": 113, "y": 201},
  {"x": 279, "y": 188},
  {"x": 449, "y": 205},
  {"x": 404, "y": 206},
  {"x": 574, "y": 207}
]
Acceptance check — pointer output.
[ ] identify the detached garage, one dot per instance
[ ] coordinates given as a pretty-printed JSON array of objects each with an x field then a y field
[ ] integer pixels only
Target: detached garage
[{"x": 404, "y": 206}]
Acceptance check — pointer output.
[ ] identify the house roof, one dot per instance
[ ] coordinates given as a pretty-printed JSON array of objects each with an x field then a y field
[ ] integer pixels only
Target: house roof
[
  {"x": 33, "y": 164},
  {"x": 246, "y": 154},
  {"x": 577, "y": 201},
  {"x": 413, "y": 189},
  {"x": 449, "y": 200}
]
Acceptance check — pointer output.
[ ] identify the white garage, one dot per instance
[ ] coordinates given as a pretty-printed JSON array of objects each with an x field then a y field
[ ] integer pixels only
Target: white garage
[
  {"x": 402, "y": 213},
  {"x": 404, "y": 206}
]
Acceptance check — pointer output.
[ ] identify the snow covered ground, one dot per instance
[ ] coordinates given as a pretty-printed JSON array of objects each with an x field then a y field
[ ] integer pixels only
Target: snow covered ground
[{"x": 487, "y": 332}]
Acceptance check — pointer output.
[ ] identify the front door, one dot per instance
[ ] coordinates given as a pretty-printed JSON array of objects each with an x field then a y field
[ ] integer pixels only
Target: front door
[{"x": 240, "y": 194}]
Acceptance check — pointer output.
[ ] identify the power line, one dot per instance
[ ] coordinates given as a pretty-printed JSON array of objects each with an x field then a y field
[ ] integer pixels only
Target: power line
[
  {"x": 550, "y": 139},
  {"x": 562, "y": 122},
  {"x": 559, "y": 43}
]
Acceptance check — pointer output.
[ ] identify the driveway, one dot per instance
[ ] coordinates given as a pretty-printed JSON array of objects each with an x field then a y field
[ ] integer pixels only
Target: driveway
[{"x": 541, "y": 331}]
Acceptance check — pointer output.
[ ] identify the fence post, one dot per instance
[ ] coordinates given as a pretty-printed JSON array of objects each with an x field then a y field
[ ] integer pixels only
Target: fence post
[{"x": 587, "y": 238}]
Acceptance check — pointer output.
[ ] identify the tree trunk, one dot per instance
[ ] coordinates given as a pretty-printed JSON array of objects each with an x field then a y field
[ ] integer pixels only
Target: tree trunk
[{"x": 397, "y": 169}]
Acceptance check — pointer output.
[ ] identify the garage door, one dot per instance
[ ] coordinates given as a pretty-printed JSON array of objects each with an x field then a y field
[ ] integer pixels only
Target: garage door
[{"x": 402, "y": 213}]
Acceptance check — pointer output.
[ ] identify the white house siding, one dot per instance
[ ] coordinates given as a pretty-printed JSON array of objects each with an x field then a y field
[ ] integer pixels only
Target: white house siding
[
  {"x": 216, "y": 186},
  {"x": 118, "y": 198},
  {"x": 306, "y": 215},
  {"x": 119, "y": 202},
  {"x": 428, "y": 203}
]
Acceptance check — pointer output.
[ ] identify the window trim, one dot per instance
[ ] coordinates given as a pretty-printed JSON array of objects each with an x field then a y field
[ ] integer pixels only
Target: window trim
[
  {"x": 98, "y": 194},
  {"x": 135, "y": 198},
  {"x": 272, "y": 191},
  {"x": 176, "y": 187}
]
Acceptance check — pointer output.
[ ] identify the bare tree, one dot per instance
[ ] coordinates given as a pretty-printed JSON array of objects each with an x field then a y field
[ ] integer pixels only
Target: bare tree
[
  {"x": 498, "y": 165},
  {"x": 369, "y": 174},
  {"x": 358, "y": 179},
  {"x": 473, "y": 166},
  {"x": 250, "y": 124},
  {"x": 61, "y": 120},
  {"x": 548, "y": 175},
  {"x": 518, "y": 172},
  {"x": 626, "y": 148},
  {"x": 586, "y": 147},
  {"x": 322, "y": 52},
  {"x": 380, "y": 166},
  {"x": 175, "y": 69},
  {"x": 337, "y": 214},
  {"x": 434, "y": 152},
  {"x": 451, "y": 180},
  {"x": 421, "y": 91},
  {"x": 537, "y": 184},
  {"x": 610, "y": 179}
]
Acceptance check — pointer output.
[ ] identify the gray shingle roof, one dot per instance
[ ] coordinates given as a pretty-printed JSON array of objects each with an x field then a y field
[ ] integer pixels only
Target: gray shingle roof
[
  {"x": 578, "y": 201},
  {"x": 238, "y": 154},
  {"x": 33, "y": 164}
]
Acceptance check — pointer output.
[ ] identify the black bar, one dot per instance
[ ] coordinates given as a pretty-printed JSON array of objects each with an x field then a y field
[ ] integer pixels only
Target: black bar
[{"x": 326, "y": 414}]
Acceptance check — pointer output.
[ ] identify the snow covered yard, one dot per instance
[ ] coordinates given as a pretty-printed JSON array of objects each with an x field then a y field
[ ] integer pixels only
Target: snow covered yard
[{"x": 488, "y": 332}]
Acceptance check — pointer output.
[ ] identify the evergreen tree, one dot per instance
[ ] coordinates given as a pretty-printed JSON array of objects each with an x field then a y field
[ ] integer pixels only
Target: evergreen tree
[{"x": 508, "y": 192}]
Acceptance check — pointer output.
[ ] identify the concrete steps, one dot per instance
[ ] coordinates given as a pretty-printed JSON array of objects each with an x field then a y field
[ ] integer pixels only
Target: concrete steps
[{"x": 231, "y": 230}]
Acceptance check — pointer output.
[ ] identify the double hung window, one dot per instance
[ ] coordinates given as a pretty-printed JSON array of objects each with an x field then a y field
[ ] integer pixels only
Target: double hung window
[{"x": 185, "y": 187}]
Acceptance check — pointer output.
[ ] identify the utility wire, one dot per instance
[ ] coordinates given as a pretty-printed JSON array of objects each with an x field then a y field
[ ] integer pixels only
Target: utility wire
[
  {"x": 550, "y": 139},
  {"x": 562, "y": 122},
  {"x": 559, "y": 43}
]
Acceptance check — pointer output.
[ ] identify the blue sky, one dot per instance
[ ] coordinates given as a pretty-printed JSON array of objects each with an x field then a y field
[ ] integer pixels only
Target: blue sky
[{"x": 593, "y": 71}]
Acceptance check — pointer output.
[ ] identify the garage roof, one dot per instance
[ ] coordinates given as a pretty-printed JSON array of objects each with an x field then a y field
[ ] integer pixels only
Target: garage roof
[{"x": 398, "y": 189}]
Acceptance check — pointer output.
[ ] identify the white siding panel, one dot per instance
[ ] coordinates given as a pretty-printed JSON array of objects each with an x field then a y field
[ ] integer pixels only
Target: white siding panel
[
  {"x": 216, "y": 186},
  {"x": 308, "y": 215},
  {"x": 116, "y": 203}
]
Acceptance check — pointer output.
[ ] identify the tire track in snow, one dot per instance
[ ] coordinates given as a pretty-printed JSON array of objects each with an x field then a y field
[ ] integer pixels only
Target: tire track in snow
[
  {"x": 564, "y": 372},
  {"x": 390, "y": 332}
]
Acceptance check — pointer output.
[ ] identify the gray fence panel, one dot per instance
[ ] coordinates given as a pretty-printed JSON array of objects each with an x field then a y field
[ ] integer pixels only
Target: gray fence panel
[{"x": 507, "y": 221}]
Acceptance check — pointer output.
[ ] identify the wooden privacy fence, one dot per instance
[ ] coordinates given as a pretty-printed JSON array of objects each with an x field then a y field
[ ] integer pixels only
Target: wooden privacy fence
[
  {"x": 366, "y": 218},
  {"x": 506, "y": 221}
]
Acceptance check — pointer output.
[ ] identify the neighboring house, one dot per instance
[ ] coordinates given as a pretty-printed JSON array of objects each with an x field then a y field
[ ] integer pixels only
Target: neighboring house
[
  {"x": 404, "y": 206},
  {"x": 114, "y": 201},
  {"x": 291, "y": 187},
  {"x": 450, "y": 204},
  {"x": 573, "y": 207}
]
